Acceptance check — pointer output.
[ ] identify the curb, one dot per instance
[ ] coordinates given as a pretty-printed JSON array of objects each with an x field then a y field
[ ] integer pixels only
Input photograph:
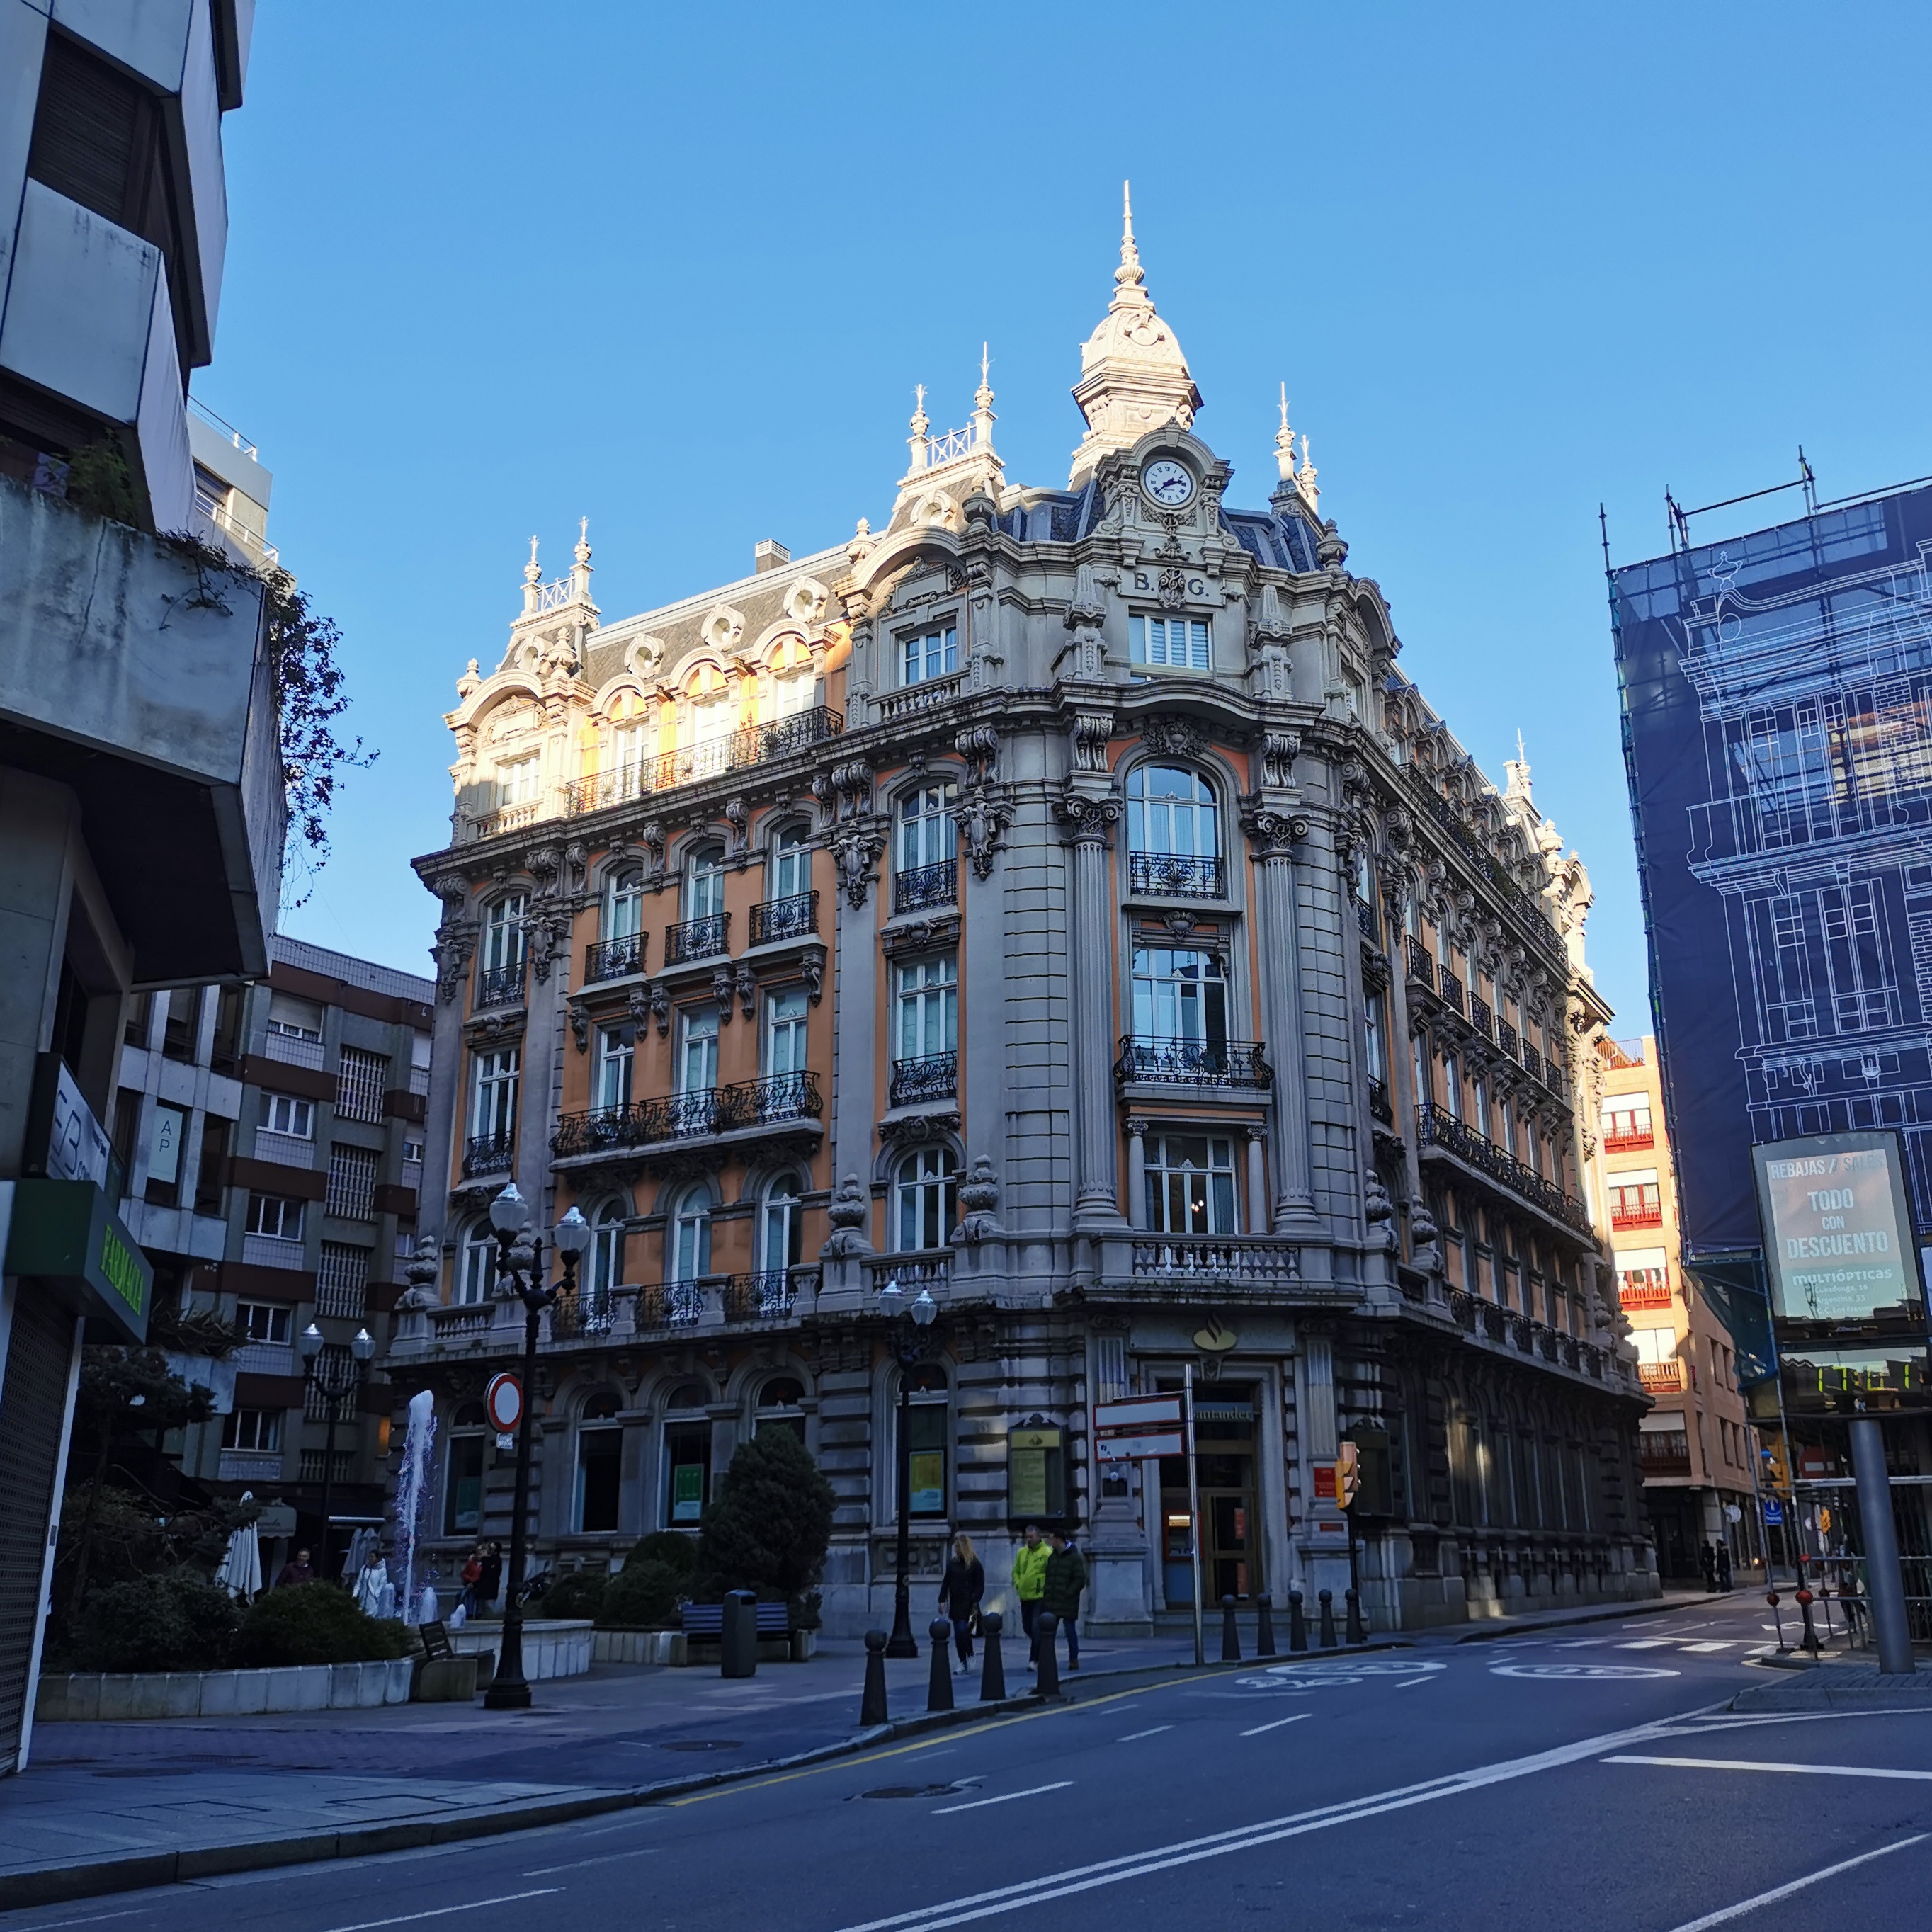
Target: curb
[{"x": 1604, "y": 1613}]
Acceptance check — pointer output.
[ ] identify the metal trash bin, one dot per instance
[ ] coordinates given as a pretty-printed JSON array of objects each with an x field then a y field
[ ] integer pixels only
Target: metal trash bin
[{"x": 738, "y": 1644}]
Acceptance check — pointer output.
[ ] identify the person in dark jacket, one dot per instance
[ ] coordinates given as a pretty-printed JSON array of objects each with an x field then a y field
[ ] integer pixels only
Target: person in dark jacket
[
  {"x": 490, "y": 1587},
  {"x": 1066, "y": 1579},
  {"x": 960, "y": 1590},
  {"x": 1707, "y": 1561},
  {"x": 1723, "y": 1557},
  {"x": 296, "y": 1570}
]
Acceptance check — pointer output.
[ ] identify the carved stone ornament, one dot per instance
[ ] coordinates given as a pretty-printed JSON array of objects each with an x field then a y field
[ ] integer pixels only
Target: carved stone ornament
[
  {"x": 1270, "y": 626},
  {"x": 577, "y": 856},
  {"x": 1087, "y": 606},
  {"x": 1169, "y": 736},
  {"x": 978, "y": 1197},
  {"x": 1399, "y": 828},
  {"x": 422, "y": 1274},
  {"x": 738, "y": 816},
  {"x": 918, "y": 1130},
  {"x": 493, "y": 1029},
  {"x": 908, "y": 938},
  {"x": 543, "y": 863},
  {"x": 824, "y": 791},
  {"x": 650, "y": 1001},
  {"x": 979, "y": 746},
  {"x": 580, "y": 1027},
  {"x": 811, "y": 970},
  {"x": 981, "y": 816},
  {"x": 1172, "y": 586},
  {"x": 453, "y": 950},
  {"x": 1088, "y": 821},
  {"x": 855, "y": 851},
  {"x": 1280, "y": 750},
  {"x": 721, "y": 989},
  {"x": 1088, "y": 733},
  {"x": 1271, "y": 834},
  {"x": 853, "y": 781},
  {"x": 847, "y": 1210},
  {"x": 746, "y": 982},
  {"x": 655, "y": 835}
]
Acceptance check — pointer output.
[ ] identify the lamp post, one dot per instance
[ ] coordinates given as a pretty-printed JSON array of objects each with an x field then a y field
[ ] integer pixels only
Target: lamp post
[
  {"x": 332, "y": 1378},
  {"x": 910, "y": 1341},
  {"x": 521, "y": 1264}
]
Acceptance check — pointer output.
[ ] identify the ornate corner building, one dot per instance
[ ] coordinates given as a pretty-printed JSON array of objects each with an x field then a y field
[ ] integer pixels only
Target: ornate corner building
[{"x": 1055, "y": 900}]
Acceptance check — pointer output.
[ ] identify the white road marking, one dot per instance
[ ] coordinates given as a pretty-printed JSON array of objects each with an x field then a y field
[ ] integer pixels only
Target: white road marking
[
  {"x": 1005, "y": 1797},
  {"x": 1648, "y": 1643},
  {"x": 1132, "y": 1736},
  {"x": 601, "y": 1858},
  {"x": 1584, "y": 1643},
  {"x": 1771, "y": 1897},
  {"x": 1748, "y": 1764},
  {"x": 1410, "y": 1683},
  {"x": 1710, "y": 1645},
  {"x": 444, "y": 1911},
  {"x": 1277, "y": 1724},
  {"x": 1580, "y": 1673},
  {"x": 95, "y": 1919}
]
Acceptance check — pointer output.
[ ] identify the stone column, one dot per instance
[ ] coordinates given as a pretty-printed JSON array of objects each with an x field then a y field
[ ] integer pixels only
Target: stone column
[
  {"x": 1272, "y": 837},
  {"x": 1089, "y": 821},
  {"x": 1137, "y": 1172},
  {"x": 1257, "y": 1200},
  {"x": 1402, "y": 1097},
  {"x": 855, "y": 846}
]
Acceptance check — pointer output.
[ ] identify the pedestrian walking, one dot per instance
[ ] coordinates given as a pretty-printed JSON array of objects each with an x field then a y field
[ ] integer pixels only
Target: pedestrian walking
[
  {"x": 1066, "y": 1578},
  {"x": 1724, "y": 1562},
  {"x": 491, "y": 1586},
  {"x": 1707, "y": 1561},
  {"x": 296, "y": 1570},
  {"x": 960, "y": 1590},
  {"x": 1029, "y": 1579}
]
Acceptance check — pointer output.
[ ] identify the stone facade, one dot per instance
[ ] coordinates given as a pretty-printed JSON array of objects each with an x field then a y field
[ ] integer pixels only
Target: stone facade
[{"x": 1022, "y": 903}]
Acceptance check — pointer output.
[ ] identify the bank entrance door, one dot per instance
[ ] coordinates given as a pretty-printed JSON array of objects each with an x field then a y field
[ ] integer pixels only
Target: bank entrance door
[{"x": 1224, "y": 1418}]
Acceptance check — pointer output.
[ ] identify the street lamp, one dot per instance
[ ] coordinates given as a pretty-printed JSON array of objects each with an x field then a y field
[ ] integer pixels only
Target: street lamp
[
  {"x": 522, "y": 1263},
  {"x": 910, "y": 1341},
  {"x": 332, "y": 1377}
]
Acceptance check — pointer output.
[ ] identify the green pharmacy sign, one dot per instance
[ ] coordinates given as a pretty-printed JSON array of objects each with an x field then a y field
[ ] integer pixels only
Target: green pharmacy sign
[{"x": 65, "y": 1236}]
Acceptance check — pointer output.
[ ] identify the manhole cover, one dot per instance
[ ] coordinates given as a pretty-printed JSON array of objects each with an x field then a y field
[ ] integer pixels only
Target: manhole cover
[
  {"x": 701, "y": 1744},
  {"x": 914, "y": 1791}
]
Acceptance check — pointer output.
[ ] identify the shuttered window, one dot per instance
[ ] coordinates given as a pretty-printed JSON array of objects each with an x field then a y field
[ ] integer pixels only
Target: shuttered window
[{"x": 87, "y": 128}]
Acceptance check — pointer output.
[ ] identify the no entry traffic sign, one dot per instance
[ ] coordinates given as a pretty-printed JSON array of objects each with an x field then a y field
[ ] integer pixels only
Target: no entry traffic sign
[{"x": 503, "y": 1403}]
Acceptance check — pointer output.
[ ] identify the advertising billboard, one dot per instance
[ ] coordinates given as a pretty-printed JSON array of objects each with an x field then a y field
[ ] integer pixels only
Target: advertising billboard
[
  {"x": 1777, "y": 695},
  {"x": 1838, "y": 1244}
]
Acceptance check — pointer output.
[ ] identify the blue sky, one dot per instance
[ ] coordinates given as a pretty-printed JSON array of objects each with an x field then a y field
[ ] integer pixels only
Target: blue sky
[{"x": 492, "y": 268}]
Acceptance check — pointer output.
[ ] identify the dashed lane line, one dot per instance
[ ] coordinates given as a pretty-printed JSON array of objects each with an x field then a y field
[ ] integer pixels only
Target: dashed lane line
[
  {"x": 444, "y": 1911},
  {"x": 1277, "y": 1724},
  {"x": 1133, "y": 1736},
  {"x": 1004, "y": 1797}
]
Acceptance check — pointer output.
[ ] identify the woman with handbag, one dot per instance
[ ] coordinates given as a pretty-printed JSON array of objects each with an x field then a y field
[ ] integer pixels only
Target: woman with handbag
[{"x": 960, "y": 1590}]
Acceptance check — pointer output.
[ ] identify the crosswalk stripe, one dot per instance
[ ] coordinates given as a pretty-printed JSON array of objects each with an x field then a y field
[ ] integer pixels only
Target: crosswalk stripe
[
  {"x": 1728, "y": 1643},
  {"x": 1648, "y": 1643}
]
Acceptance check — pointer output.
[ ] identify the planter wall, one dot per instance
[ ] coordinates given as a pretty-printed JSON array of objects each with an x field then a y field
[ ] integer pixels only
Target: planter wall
[
  {"x": 557, "y": 1647},
  {"x": 116, "y": 1698},
  {"x": 635, "y": 1646}
]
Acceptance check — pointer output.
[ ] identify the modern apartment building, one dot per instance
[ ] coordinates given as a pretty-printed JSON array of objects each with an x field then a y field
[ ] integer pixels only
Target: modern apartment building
[
  {"x": 141, "y": 798},
  {"x": 1053, "y": 902},
  {"x": 1695, "y": 1444},
  {"x": 272, "y": 1139}
]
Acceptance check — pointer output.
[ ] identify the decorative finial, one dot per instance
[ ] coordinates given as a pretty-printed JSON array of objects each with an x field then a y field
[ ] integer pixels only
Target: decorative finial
[
  {"x": 531, "y": 572},
  {"x": 1128, "y": 275},
  {"x": 920, "y": 423},
  {"x": 1284, "y": 442},
  {"x": 983, "y": 395},
  {"x": 1521, "y": 757},
  {"x": 1304, "y": 478},
  {"x": 582, "y": 552}
]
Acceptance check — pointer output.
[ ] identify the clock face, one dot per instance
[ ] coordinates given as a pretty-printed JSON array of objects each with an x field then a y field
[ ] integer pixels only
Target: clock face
[{"x": 1170, "y": 483}]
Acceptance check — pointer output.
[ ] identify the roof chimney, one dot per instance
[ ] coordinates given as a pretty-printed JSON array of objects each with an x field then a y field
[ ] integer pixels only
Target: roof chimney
[{"x": 770, "y": 555}]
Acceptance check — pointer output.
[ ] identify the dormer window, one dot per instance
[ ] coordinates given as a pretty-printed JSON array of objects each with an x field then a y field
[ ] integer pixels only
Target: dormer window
[
  {"x": 1174, "y": 643},
  {"x": 933, "y": 653}
]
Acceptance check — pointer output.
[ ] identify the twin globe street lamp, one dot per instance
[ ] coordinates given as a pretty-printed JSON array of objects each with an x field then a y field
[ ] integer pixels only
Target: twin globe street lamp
[
  {"x": 911, "y": 1338},
  {"x": 520, "y": 1262},
  {"x": 332, "y": 1377}
]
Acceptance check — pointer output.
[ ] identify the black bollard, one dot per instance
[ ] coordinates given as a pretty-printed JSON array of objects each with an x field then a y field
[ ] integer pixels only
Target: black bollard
[
  {"x": 939, "y": 1684},
  {"x": 993, "y": 1672},
  {"x": 1298, "y": 1624},
  {"x": 1810, "y": 1639},
  {"x": 1046, "y": 1678},
  {"x": 1264, "y": 1625},
  {"x": 1230, "y": 1637},
  {"x": 872, "y": 1703},
  {"x": 1326, "y": 1600},
  {"x": 1358, "y": 1630},
  {"x": 1770, "y": 1597}
]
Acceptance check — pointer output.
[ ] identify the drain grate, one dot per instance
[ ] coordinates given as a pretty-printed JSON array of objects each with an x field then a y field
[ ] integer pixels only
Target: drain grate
[
  {"x": 701, "y": 1744},
  {"x": 916, "y": 1791}
]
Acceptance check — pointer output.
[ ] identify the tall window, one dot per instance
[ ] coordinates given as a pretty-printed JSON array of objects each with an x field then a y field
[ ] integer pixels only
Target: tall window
[
  {"x": 791, "y": 865},
  {"x": 792, "y": 686},
  {"x": 691, "y": 1235},
  {"x": 934, "y": 653},
  {"x": 687, "y": 1457},
  {"x": 1190, "y": 1184},
  {"x": 1452, "y": 1085},
  {"x": 1481, "y": 1091},
  {"x": 463, "y": 1487},
  {"x": 624, "y": 906},
  {"x": 1180, "y": 994},
  {"x": 784, "y": 1032},
  {"x": 1171, "y": 813},
  {"x": 476, "y": 1266},
  {"x": 361, "y": 1081},
  {"x": 781, "y": 1236},
  {"x": 352, "y": 1183},
  {"x": 503, "y": 934},
  {"x": 926, "y": 1194},
  {"x": 704, "y": 883},
  {"x": 616, "y": 1049},
  {"x": 779, "y": 1406},
  {"x": 926, "y": 1444},
  {"x": 1180, "y": 643},
  {"x": 606, "y": 1247},
  {"x": 714, "y": 717},
  {"x": 517, "y": 783},
  {"x": 492, "y": 1106},
  {"x": 928, "y": 1007},
  {"x": 697, "y": 1054},
  {"x": 1376, "y": 1037},
  {"x": 1425, "y": 1061},
  {"x": 926, "y": 837},
  {"x": 600, "y": 1462},
  {"x": 632, "y": 742}
]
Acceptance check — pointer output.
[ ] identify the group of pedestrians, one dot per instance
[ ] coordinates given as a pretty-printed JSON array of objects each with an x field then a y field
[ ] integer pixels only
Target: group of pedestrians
[
  {"x": 1714, "y": 1560},
  {"x": 1049, "y": 1574},
  {"x": 482, "y": 1575}
]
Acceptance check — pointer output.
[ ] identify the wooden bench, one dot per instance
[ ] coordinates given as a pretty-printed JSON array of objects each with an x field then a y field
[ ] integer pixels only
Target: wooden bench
[{"x": 705, "y": 1622}]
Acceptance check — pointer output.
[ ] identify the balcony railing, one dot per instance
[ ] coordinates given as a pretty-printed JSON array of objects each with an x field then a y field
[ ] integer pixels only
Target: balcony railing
[
  {"x": 1175, "y": 876},
  {"x": 674, "y": 1116},
  {"x": 755, "y": 745},
  {"x": 1451, "y": 989},
  {"x": 1421, "y": 965},
  {"x": 912, "y": 699},
  {"x": 1194, "y": 1063},
  {"x": 1365, "y": 917},
  {"x": 932, "y": 1268},
  {"x": 500, "y": 985},
  {"x": 1661, "y": 1378},
  {"x": 613, "y": 958},
  {"x": 1436, "y": 1126},
  {"x": 670, "y": 1304},
  {"x": 926, "y": 886},
  {"x": 1634, "y": 1141},
  {"x": 1506, "y": 1038},
  {"x": 312, "y": 1460},
  {"x": 791, "y": 918},
  {"x": 703, "y": 938},
  {"x": 1532, "y": 1061},
  {"x": 489, "y": 1153},
  {"x": 930, "y": 1076},
  {"x": 1215, "y": 1261},
  {"x": 1645, "y": 1294},
  {"x": 251, "y": 1466},
  {"x": 1638, "y": 1216},
  {"x": 758, "y": 1297},
  {"x": 1481, "y": 1018},
  {"x": 584, "y": 1311},
  {"x": 1380, "y": 1106}
]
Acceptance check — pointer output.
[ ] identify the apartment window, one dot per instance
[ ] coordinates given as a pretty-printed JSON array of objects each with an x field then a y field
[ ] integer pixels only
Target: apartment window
[
  {"x": 926, "y": 1192},
  {"x": 616, "y": 1052},
  {"x": 259, "y": 1430},
  {"x": 791, "y": 865},
  {"x": 517, "y": 783},
  {"x": 140, "y": 1018},
  {"x": 1376, "y": 1037},
  {"x": 360, "y": 1082},
  {"x": 421, "y": 1048},
  {"x": 1180, "y": 993},
  {"x": 1180, "y": 643},
  {"x": 96, "y": 139},
  {"x": 933, "y": 653},
  {"x": 476, "y": 1265},
  {"x": 1635, "y": 1202},
  {"x": 929, "y": 1006},
  {"x": 292, "y": 1019},
  {"x": 1424, "y": 1070},
  {"x": 1643, "y": 1278},
  {"x": 167, "y": 1131},
  {"x": 926, "y": 836},
  {"x": 1172, "y": 813},
  {"x": 691, "y": 1235},
  {"x": 1626, "y": 1124},
  {"x": 1654, "y": 1346},
  {"x": 503, "y": 935},
  {"x": 600, "y": 1462},
  {"x": 785, "y": 1033},
  {"x": 714, "y": 717},
  {"x": 492, "y": 1110},
  {"x": 697, "y": 1055},
  {"x": 178, "y": 1037},
  {"x": 1190, "y": 1184},
  {"x": 632, "y": 744},
  {"x": 624, "y": 906},
  {"x": 606, "y": 1247},
  {"x": 342, "y": 1281},
  {"x": 1452, "y": 1086},
  {"x": 781, "y": 1406},
  {"x": 1480, "y": 1091},
  {"x": 352, "y": 1183},
  {"x": 262, "y": 1320},
  {"x": 288, "y": 1113},
  {"x": 704, "y": 883},
  {"x": 225, "y": 1056},
  {"x": 782, "y": 1233},
  {"x": 212, "y": 1172}
]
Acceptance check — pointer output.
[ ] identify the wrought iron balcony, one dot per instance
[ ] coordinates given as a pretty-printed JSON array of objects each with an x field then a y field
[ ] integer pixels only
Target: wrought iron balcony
[
  {"x": 489, "y": 1153},
  {"x": 670, "y": 1304},
  {"x": 756, "y": 744},
  {"x": 1451, "y": 989},
  {"x": 1194, "y": 1063},
  {"x": 930, "y": 1076},
  {"x": 676, "y": 1117},
  {"x": 1506, "y": 1039},
  {"x": 613, "y": 958},
  {"x": 1365, "y": 917},
  {"x": 1176, "y": 876},
  {"x": 1421, "y": 965},
  {"x": 500, "y": 985},
  {"x": 926, "y": 886},
  {"x": 784, "y": 919},
  {"x": 1481, "y": 1018},
  {"x": 1436, "y": 1126},
  {"x": 585, "y": 1311},
  {"x": 1379, "y": 1103},
  {"x": 758, "y": 1297},
  {"x": 704, "y": 938},
  {"x": 1532, "y": 1061}
]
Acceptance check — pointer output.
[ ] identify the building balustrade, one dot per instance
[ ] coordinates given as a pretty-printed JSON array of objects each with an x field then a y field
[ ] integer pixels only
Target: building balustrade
[
  {"x": 1451, "y": 989},
  {"x": 500, "y": 985},
  {"x": 1635, "y": 1141},
  {"x": 912, "y": 699},
  {"x": 931, "y": 1269},
  {"x": 1421, "y": 966},
  {"x": 754, "y": 745},
  {"x": 706, "y": 938},
  {"x": 1216, "y": 1261},
  {"x": 1436, "y": 1126},
  {"x": 1623, "y": 1218},
  {"x": 1194, "y": 1063},
  {"x": 313, "y": 1460},
  {"x": 928, "y": 1076},
  {"x": 1176, "y": 875},
  {"x": 702, "y": 1111},
  {"x": 792, "y": 918},
  {"x": 926, "y": 886},
  {"x": 1661, "y": 1378},
  {"x": 613, "y": 958}
]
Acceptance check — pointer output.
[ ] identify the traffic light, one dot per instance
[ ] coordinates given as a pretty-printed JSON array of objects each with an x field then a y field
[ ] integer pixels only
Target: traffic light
[{"x": 1347, "y": 1473}]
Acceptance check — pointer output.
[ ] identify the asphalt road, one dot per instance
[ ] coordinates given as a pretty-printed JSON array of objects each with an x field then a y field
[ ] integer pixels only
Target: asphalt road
[{"x": 1574, "y": 1781}]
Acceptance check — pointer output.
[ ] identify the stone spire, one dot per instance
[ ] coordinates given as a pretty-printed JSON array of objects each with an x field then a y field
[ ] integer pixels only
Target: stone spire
[
  {"x": 533, "y": 577},
  {"x": 1133, "y": 376},
  {"x": 1284, "y": 442},
  {"x": 920, "y": 423},
  {"x": 1304, "y": 479},
  {"x": 982, "y": 406}
]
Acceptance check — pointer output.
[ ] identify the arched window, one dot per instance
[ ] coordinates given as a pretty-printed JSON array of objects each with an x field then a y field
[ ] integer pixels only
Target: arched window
[
  {"x": 463, "y": 1482},
  {"x": 600, "y": 1462},
  {"x": 624, "y": 905},
  {"x": 689, "y": 1395},
  {"x": 1173, "y": 833},
  {"x": 781, "y": 1235},
  {"x": 476, "y": 1262},
  {"x": 778, "y": 1406},
  {"x": 926, "y": 1190},
  {"x": 704, "y": 883},
  {"x": 607, "y": 1248},
  {"x": 691, "y": 1235}
]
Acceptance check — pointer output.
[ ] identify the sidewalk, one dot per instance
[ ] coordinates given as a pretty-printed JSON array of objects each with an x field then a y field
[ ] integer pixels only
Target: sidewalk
[{"x": 110, "y": 1807}]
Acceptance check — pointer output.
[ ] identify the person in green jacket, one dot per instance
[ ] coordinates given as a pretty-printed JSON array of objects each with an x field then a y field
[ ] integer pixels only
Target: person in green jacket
[
  {"x": 1029, "y": 1579},
  {"x": 1066, "y": 1578}
]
